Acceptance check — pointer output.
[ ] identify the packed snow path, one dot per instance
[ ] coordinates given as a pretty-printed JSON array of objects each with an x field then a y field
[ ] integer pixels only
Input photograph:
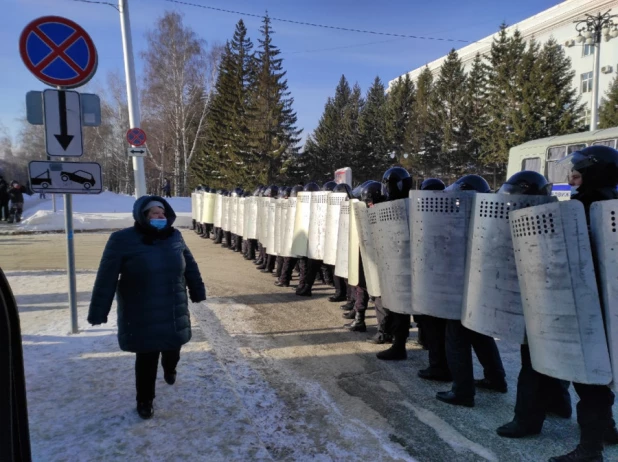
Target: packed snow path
[{"x": 267, "y": 376}]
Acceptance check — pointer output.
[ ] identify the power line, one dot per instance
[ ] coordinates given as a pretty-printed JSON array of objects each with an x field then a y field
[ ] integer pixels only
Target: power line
[
  {"x": 341, "y": 47},
  {"x": 98, "y": 3},
  {"x": 322, "y": 26}
]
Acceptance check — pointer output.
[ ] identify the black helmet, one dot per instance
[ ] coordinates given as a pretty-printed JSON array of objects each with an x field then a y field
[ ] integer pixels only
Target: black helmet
[
  {"x": 295, "y": 190},
  {"x": 433, "y": 184},
  {"x": 527, "y": 182},
  {"x": 226, "y": 193},
  {"x": 312, "y": 187},
  {"x": 246, "y": 194},
  {"x": 261, "y": 191},
  {"x": 371, "y": 193},
  {"x": 199, "y": 187},
  {"x": 343, "y": 188},
  {"x": 470, "y": 183},
  {"x": 237, "y": 192},
  {"x": 285, "y": 192},
  {"x": 598, "y": 166},
  {"x": 396, "y": 183},
  {"x": 271, "y": 191},
  {"x": 329, "y": 186},
  {"x": 206, "y": 189},
  {"x": 356, "y": 192}
]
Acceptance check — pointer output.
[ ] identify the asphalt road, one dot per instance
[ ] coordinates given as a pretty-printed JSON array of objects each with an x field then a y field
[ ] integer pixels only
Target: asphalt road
[{"x": 328, "y": 378}]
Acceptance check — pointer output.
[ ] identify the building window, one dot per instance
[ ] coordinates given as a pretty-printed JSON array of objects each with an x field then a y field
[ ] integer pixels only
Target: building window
[
  {"x": 533, "y": 164},
  {"x": 586, "y": 82},
  {"x": 587, "y": 117},
  {"x": 588, "y": 50},
  {"x": 610, "y": 143}
]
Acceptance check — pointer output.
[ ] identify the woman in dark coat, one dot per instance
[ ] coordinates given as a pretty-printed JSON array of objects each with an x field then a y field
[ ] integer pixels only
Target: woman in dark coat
[{"x": 149, "y": 268}]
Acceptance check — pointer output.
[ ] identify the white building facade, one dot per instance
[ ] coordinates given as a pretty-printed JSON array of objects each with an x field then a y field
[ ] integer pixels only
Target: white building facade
[{"x": 556, "y": 22}]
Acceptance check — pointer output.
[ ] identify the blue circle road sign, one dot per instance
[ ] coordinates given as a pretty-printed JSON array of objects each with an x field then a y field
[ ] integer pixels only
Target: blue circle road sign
[
  {"x": 58, "y": 52},
  {"x": 136, "y": 136}
]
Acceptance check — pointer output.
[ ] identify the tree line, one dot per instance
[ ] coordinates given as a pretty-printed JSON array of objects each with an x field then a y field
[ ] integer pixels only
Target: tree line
[
  {"x": 222, "y": 115},
  {"x": 456, "y": 122}
]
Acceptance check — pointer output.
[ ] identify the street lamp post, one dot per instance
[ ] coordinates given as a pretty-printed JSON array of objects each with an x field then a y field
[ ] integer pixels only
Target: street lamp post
[{"x": 590, "y": 30}]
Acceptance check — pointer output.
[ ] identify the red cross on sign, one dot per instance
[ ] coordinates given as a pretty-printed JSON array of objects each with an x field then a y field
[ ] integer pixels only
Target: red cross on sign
[
  {"x": 58, "y": 52},
  {"x": 136, "y": 137}
]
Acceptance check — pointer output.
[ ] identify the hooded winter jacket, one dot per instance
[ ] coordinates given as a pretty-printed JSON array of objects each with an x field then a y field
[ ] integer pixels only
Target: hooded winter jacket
[{"x": 149, "y": 270}]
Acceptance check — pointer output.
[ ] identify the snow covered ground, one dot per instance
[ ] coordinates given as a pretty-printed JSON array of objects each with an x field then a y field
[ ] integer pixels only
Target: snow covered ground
[
  {"x": 81, "y": 393},
  {"x": 97, "y": 212}
]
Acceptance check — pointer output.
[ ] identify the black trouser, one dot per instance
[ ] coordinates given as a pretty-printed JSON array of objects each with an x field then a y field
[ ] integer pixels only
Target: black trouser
[
  {"x": 288, "y": 268},
  {"x": 146, "y": 365},
  {"x": 218, "y": 235},
  {"x": 237, "y": 243},
  {"x": 362, "y": 299},
  {"x": 459, "y": 344},
  {"x": 311, "y": 271},
  {"x": 4, "y": 209},
  {"x": 537, "y": 393},
  {"x": 594, "y": 414},
  {"x": 193, "y": 223},
  {"x": 382, "y": 316},
  {"x": 270, "y": 263},
  {"x": 279, "y": 262},
  {"x": 391, "y": 323},
  {"x": 329, "y": 274},
  {"x": 434, "y": 333},
  {"x": 251, "y": 247},
  {"x": 340, "y": 286},
  {"x": 228, "y": 239},
  {"x": 261, "y": 252},
  {"x": 302, "y": 275},
  {"x": 17, "y": 209}
]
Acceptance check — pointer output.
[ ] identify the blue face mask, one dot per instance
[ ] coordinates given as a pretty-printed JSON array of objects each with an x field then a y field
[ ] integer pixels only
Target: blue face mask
[
  {"x": 574, "y": 190},
  {"x": 158, "y": 223}
]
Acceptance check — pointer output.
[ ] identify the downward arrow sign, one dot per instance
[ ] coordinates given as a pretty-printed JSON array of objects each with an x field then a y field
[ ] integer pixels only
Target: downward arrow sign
[{"x": 63, "y": 138}]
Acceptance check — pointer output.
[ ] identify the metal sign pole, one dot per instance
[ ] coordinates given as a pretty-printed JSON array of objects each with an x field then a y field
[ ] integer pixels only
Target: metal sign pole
[
  {"x": 68, "y": 226},
  {"x": 132, "y": 95}
]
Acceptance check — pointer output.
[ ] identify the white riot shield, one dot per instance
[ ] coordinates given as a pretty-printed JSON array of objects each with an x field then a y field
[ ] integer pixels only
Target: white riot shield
[
  {"x": 439, "y": 222},
  {"x": 209, "y": 213},
  {"x": 270, "y": 231},
  {"x": 492, "y": 301},
  {"x": 317, "y": 225},
  {"x": 203, "y": 207},
  {"x": 603, "y": 217},
  {"x": 251, "y": 213},
  {"x": 343, "y": 240},
  {"x": 263, "y": 203},
  {"x": 225, "y": 214},
  {"x": 279, "y": 203},
  {"x": 198, "y": 205},
  {"x": 301, "y": 224},
  {"x": 240, "y": 225},
  {"x": 233, "y": 220},
  {"x": 363, "y": 216},
  {"x": 194, "y": 206},
  {"x": 353, "y": 248},
  {"x": 218, "y": 210},
  {"x": 288, "y": 232},
  {"x": 332, "y": 227},
  {"x": 391, "y": 236},
  {"x": 564, "y": 322}
]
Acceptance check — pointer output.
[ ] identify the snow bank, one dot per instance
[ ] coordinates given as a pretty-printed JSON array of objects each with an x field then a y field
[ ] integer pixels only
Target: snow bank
[{"x": 91, "y": 212}]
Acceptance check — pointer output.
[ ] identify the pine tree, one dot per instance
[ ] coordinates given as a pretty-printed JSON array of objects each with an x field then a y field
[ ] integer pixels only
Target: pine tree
[
  {"x": 275, "y": 129},
  {"x": 504, "y": 59},
  {"x": 423, "y": 136},
  {"x": 373, "y": 134},
  {"x": 558, "y": 99},
  {"x": 476, "y": 108},
  {"x": 448, "y": 116},
  {"x": 401, "y": 118},
  {"x": 608, "y": 112},
  {"x": 329, "y": 146}
]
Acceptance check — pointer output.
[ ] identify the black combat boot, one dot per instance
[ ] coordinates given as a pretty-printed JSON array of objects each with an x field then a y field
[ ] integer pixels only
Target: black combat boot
[
  {"x": 348, "y": 306},
  {"x": 358, "y": 325},
  {"x": 397, "y": 352},
  {"x": 580, "y": 454},
  {"x": 517, "y": 429},
  {"x": 304, "y": 291},
  {"x": 349, "y": 314},
  {"x": 380, "y": 338},
  {"x": 145, "y": 409}
]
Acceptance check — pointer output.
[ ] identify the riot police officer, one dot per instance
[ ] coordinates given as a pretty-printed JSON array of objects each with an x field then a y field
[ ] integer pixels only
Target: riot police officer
[
  {"x": 432, "y": 329},
  {"x": 341, "y": 286},
  {"x": 396, "y": 184},
  {"x": 597, "y": 168},
  {"x": 252, "y": 244},
  {"x": 206, "y": 228},
  {"x": 460, "y": 340},
  {"x": 537, "y": 394},
  {"x": 219, "y": 231},
  {"x": 284, "y": 193},
  {"x": 306, "y": 265},
  {"x": 288, "y": 262},
  {"x": 314, "y": 266},
  {"x": 268, "y": 263},
  {"x": 236, "y": 240},
  {"x": 370, "y": 194}
]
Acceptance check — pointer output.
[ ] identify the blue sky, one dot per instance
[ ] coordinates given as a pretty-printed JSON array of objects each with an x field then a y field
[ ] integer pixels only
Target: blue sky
[{"x": 315, "y": 58}]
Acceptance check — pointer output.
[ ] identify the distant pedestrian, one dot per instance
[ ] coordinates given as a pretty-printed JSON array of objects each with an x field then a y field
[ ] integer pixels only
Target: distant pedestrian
[
  {"x": 4, "y": 200},
  {"x": 149, "y": 268},
  {"x": 167, "y": 188},
  {"x": 16, "y": 196},
  {"x": 42, "y": 196}
]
